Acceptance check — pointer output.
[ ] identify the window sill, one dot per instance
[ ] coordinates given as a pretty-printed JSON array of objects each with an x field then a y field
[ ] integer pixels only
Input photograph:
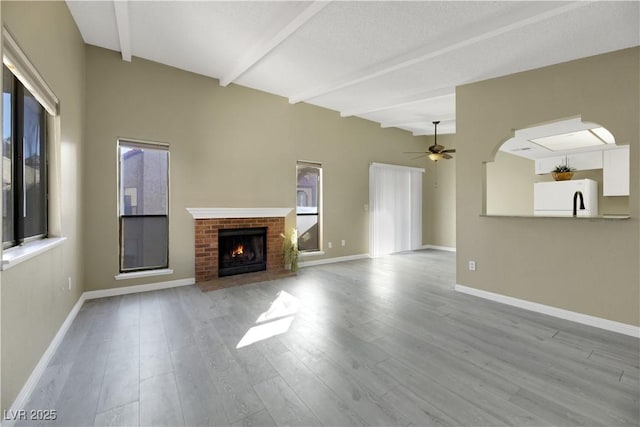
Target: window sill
[
  {"x": 310, "y": 254},
  {"x": 14, "y": 256},
  {"x": 139, "y": 274}
]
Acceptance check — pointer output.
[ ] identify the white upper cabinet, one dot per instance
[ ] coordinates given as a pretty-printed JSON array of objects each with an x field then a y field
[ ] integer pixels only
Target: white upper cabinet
[
  {"x": 586, "y": 161},
  {"x": 615, "y": 174},
  {"x": 578, "y": 161}
]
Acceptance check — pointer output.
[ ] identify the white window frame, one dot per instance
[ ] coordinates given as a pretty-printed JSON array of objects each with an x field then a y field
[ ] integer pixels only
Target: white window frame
[
  {"x": 146, "y": 271},
  {"x": 320, "y": 189},
  {"x": 17, "y": 61}
]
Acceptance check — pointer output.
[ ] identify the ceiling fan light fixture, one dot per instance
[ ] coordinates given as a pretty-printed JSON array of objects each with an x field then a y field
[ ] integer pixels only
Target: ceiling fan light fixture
[
  {"x": 435, "y": 156},
  {"x": 435, "y": 152}
]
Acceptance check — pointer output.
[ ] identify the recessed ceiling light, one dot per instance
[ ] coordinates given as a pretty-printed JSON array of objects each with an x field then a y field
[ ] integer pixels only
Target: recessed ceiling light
[{"x": 569, "y": 141}]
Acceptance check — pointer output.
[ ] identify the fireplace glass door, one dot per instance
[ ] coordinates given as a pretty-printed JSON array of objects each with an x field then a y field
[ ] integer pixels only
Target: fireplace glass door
[{"x": 242, "y": 250}]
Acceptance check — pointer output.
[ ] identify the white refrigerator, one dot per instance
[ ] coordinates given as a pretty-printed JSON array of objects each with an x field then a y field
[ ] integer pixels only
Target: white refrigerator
[{"x": 556, "y": 198}]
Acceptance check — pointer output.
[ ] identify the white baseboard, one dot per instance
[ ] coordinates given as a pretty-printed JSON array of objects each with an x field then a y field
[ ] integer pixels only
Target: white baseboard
[
  {"x": 439, "y": 248},
  {"x": 585, "y": 319},
  {"x": 25, "y": 393},
  {"x": 138, "y": 288},
  {"x": 332, "y": 260}
]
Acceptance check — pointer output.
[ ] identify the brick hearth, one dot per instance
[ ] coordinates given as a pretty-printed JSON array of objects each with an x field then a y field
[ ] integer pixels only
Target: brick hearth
[{"x": 206, "y": 245}]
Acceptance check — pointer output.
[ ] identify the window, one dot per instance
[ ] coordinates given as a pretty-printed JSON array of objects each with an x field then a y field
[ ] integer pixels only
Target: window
[
  {"x": 143, "y": 205},
  {"x": 308, "y": 205},
  {"x": 24, "y": 168}
]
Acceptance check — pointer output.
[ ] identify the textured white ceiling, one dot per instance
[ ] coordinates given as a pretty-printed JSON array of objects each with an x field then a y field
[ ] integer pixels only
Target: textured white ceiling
[{"x": 392, "y": 62}]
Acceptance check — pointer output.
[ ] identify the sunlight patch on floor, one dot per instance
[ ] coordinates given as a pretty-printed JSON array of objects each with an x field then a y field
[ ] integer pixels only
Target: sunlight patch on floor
[
  {"x": 275, "y": 321},
  {"x": 284, "y": 305}
]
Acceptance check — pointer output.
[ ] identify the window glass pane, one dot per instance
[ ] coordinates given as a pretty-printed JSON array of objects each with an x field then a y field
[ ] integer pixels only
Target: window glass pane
[
  {"x": 34, "y": 167},
  {"x": 308, "y": 233},
  {"x": 7, "y": 155},
  {"x": 144, "y": 242},
  {"x": 144, "y": 206},
  {"x": 307, "y": 190},
  {"x": 143, "y": 181},
  {"x": 308, "y": 206}
]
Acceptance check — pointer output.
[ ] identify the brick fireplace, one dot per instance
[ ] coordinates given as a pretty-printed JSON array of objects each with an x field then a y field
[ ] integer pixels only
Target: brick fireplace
[{"x": 209, "y": 221}]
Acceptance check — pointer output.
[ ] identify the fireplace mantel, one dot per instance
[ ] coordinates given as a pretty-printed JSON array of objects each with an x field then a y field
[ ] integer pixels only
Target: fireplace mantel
[{"x": 212, "y": 213}]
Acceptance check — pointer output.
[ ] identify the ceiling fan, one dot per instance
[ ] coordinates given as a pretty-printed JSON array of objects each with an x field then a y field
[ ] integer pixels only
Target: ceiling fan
[{"x": 436, "y": 152}]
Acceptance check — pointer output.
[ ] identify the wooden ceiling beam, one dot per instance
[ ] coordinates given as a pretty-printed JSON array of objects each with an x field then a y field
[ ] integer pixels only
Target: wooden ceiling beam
[
  {"x": 426, "y": 53},
  {"x": 406, "y": 101},
  {"x": 253, "y": 56},
  {"x": 423, "y": 121},
  {"x": 121, "y": 8}
]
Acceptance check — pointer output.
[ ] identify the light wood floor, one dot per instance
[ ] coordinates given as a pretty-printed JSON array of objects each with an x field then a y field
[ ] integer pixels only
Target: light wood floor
[{"x": 370, "y": 342}]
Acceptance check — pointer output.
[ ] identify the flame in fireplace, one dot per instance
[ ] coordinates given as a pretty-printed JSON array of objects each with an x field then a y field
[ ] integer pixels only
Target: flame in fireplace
[{"x": 239, "y": 250}]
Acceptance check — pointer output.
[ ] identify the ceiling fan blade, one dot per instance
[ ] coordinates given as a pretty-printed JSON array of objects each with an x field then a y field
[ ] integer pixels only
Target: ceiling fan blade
[
  {"x": 446, "y": 156},
  {"x": 415, "y": 152},
  {"x": 418, "y": 157},
  {"x": 451, "y": 150}
]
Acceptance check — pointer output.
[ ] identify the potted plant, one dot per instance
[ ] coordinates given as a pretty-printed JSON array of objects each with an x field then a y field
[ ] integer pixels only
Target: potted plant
[
  {"x": 290, "y": 249},
  {"x": 562, "y": 173}
]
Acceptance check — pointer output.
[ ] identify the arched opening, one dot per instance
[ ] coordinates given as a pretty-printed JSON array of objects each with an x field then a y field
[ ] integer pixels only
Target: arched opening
[{"x": 528, "y": 159}]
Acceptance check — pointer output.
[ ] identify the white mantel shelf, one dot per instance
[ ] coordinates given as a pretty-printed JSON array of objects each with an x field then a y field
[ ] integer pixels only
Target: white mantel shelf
[{"x": 210, "y": 213}]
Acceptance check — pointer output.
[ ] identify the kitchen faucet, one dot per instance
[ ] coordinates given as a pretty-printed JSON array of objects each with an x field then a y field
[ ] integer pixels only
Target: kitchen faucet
[{"x": 575, "y": 199}]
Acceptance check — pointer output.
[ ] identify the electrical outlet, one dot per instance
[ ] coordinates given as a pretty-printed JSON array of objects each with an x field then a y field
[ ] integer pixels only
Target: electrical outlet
[
  {"x": 69, "y": 287},
  {"x": 343, "y": 242},
  {"x": 472, "y": 266},
  {"x": 366, "y": 208},
  {"x": 329, "y": 245}
]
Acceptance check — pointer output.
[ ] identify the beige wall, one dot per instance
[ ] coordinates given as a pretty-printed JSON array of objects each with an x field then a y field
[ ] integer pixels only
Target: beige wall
[
  {"x": 586, "y": 266},
  {"x": 34, "y": 295},
  {"x": 230, "y": 147},
  {"x": 439, "y": 198}
]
